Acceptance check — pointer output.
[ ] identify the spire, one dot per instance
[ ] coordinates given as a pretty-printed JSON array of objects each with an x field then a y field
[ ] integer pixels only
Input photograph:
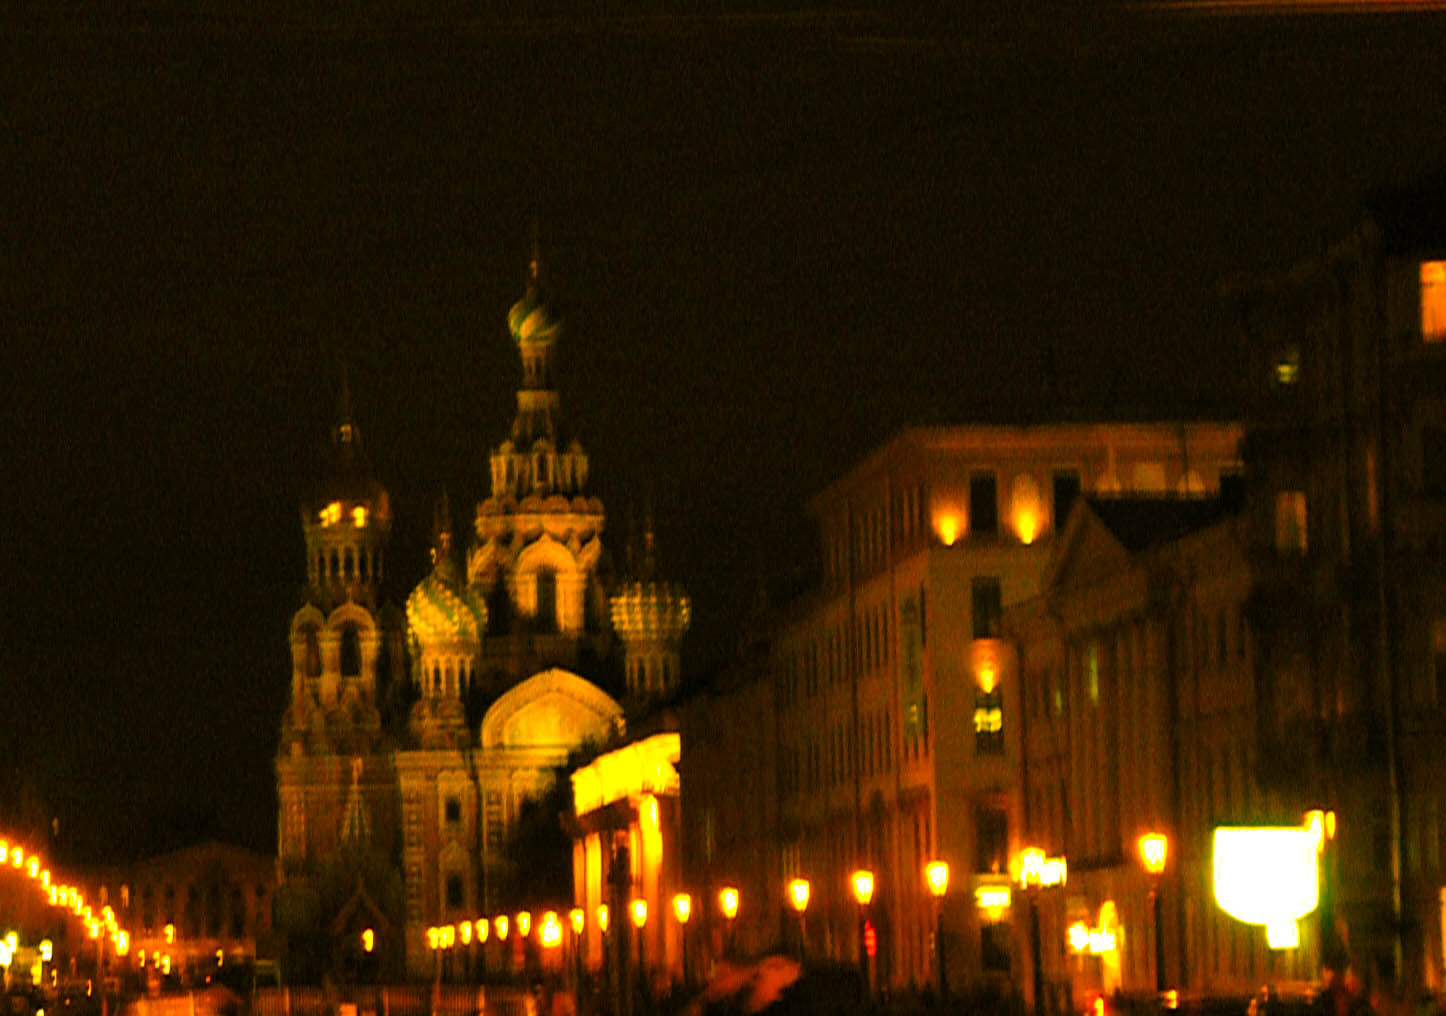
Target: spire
[
  {"x": 648, "y": 567},
  {"x": 356, "y": 829},
  {"x": 345, "y": 432},
  {"x": 442, "y": 559},
  {"x": 534, "y": 264}
]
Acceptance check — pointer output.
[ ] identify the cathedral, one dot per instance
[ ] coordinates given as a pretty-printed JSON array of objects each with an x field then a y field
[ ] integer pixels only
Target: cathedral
[{"x": 412, "y": 738}]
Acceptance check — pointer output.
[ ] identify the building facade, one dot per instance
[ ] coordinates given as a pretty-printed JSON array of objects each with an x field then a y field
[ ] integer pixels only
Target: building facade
[
  {"x": 386, "y": 776},
  {"x": 898, "y": 734}
]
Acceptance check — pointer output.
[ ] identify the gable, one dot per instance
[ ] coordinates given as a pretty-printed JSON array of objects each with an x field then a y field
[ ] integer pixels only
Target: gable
[
  {"x": 554, "y": 709},
  {"x": 1086, "y": 550}
]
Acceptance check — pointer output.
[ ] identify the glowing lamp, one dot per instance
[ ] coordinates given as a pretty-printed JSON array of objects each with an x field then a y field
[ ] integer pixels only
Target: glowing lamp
[
  {"x": 798, "y": 891},
  {"x": 434, "y": 938},
  {"x": 602, "y": 917},
  {"x": 32, "y": 867},
  {"x": 166, "y": 964},
  {"x": 936, "y": 873},
  {"x": 683, "y": 907},
  {"x": 501, "y": 925},
  {"x": 449, "y": 936},
  {"x": 948, "y": 526},
  {"x": 524, "y": 923},
  {"x": 17, "y": 857},
  {"x": 368, "y": 940},
  {"x": 464, "y": 932},
  {"x": 993, "y": 900},
  {"x": 359, "y": 517},
  {"x": 45, "y": 877},
  {"x": 7, "y": 953},
  {"x": 169, "y": 933},
  {"x": 483, "y": 927},
  {"x": 638, "y": 911},
  {"x": 578, "y": 919},
  {"x": 988, "y": 678},
  {"x": 1154, "y": 848},
  {"x": 1026, "y": 525},
  {"x": 549, "y": 932},
  {"x": 1269, "y": 876},
  {"x": 1035, "y": 869},
  {"x": 220, "y": 957},
  {"x": 863, "y": 885},
  {"x": 47, "y": 950},
  {"x": 728, "y": 902}
]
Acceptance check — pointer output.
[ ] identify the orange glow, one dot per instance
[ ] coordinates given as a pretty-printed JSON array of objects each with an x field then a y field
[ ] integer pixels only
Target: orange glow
[
  {"x": 359, "y": 517},
  {"x": 578, "y": 919},
  {"x": 728, "y": 902},
  {"x": 948, "y": 526},
  {"x": 464, "y": 932},
  {"x": 1153, "y": 849},
  {"x": 169, "y": 933},
  {"x": 936, "y": 873},
  {"x": 798, "y": 892},
  {"x": 863, "y": 883},
  {"x": 331, "y": 514},
  {"x": 549, "y": 932},
  {"x": 1034, "y": 869},
  {"x": 483, "y": 926},
  {"x": 501, "y": 925},
  {"x": 524, "y": 923},
  {"x": 1026, "y": 524},
  {"x": 602, "y": 917},
  {"x": 992, "y": 900},
  {"x": 638, "y": 909},
  {"x": 683, "y": 907},
  {"x": 1433, "y": 301},
  {"x": 17, "y": 856},
  {"x": 32, "y": 868},
  {"x": 369, "y": 940}
]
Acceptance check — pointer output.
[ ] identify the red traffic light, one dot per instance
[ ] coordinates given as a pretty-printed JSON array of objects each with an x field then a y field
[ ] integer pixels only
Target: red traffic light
[{"x": 871, "y": 940}]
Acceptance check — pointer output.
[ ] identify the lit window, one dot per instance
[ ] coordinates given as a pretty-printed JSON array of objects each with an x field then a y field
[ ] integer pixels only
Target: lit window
[
  {"x": 359, "y": 516},
  {"x": 1287, "y": 366},
  {"x": 331, "y": 514},
  {"x": 1290, "y": 528},
  {"x": 988, "y": 723},
  {"x": 1433, "y": 301}
]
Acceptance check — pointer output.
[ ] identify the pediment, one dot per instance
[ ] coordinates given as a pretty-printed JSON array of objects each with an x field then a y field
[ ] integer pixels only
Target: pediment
[
  {"x": 553, "y": 710},
  {"x": 1086, "y": 550}
]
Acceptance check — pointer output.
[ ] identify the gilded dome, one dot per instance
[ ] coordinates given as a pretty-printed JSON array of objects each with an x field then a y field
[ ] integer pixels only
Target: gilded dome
[
  {"x": 531, "y": 322},
  {"x": 439, "y": 614}
]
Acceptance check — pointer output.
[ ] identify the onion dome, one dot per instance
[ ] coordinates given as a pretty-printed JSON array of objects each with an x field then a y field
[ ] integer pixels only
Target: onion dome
[
  {"x": 654, "y": 611},
  {"x": 530, "y": 320},
  {"x": 441, "y": 614}
]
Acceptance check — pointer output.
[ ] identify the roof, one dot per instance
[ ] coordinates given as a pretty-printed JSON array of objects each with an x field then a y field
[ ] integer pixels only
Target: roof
[{"x": 1142, "y": 522}]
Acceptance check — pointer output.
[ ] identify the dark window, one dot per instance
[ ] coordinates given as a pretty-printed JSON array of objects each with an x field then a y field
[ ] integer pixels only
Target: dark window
[
  {"x": 995, "y": 946},
  {"x": 350, "y": 652},
  {"x": 454, "y": 891},
  {"x": 991, "y": 839},
  {"x": 546, "y": 600},
  {"x": 453, "y": 809},
  {"x": 988, "y": 607},
  {"x": 1433, "y": 461},
  {"x": 313, "y": 654},
  {"x": 1065, "y": 486},
  {"x": 983, "y": 505},
  {"x": 1232, "y": 490}
]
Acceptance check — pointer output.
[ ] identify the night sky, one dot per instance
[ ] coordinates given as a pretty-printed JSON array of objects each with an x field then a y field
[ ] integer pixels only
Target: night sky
[{"x": 776, "y": 240}]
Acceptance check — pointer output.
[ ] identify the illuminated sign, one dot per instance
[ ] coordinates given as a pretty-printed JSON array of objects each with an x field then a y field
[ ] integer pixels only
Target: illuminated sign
[
  {"x": 1269, "y": 876},
  {"x": 1035, "y": 869}
]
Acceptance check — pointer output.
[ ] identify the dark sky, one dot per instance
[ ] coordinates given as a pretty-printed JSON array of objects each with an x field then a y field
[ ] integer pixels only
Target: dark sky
[{"x": 776, "y": 241}]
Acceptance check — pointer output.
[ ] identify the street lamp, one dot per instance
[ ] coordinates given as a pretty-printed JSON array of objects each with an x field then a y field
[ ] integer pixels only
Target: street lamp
[
  {"x": 798, "y": 891},
  {"x": 638, "y": 911},
  {"x": 863, "y": 886},
  {"x": 1154, "y": 848},
  {"x": 936, "y": 873},
  {"x": 728, "y": 903},
  {"x": 683, "y": 909}
]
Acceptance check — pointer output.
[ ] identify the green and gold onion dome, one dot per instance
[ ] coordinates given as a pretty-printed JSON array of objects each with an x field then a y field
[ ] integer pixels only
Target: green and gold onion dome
[
  {"x": 651, "y": 610},
  {"x": 530, "y": 320},
  {"x": 439, "y": 614}
]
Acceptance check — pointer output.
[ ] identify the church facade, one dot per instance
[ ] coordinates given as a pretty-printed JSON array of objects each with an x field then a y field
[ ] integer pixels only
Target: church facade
[{"x": 384, "y": 784}]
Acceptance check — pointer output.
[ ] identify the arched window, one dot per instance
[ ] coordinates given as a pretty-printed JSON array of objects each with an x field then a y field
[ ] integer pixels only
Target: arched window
[
  {"x": 350, "y": 652},
  {"x": 363, "y": 565},
  {"x": 335, "y": 565},
  {"x": 547, "y": 600},
  {"x": 313, "y": 655},
  {"x": 346, "y": 565}
]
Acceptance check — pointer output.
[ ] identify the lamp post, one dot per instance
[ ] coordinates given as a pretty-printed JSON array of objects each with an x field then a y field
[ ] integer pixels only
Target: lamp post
[
  {"x": 1035, "y": 871},
  {"x": 728, "y": 903},
  {"x": 578, "y": 919},
  {"x": 638, "y": 911},
  {"x": 682, "y": 910},
  {"x": 863, "y": 887},
  {"x": 936, "y": 873},
  {"x": 798, "y": 891},
  {"x": 1154, "y": 848}
]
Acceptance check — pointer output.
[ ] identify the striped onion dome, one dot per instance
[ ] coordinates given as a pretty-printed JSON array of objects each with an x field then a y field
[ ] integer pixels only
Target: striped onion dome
[{"x": 651, "y": 610}]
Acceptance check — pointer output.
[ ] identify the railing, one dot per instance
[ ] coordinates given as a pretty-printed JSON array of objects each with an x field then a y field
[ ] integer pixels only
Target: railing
[{"x": 389, "y": 1000}]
